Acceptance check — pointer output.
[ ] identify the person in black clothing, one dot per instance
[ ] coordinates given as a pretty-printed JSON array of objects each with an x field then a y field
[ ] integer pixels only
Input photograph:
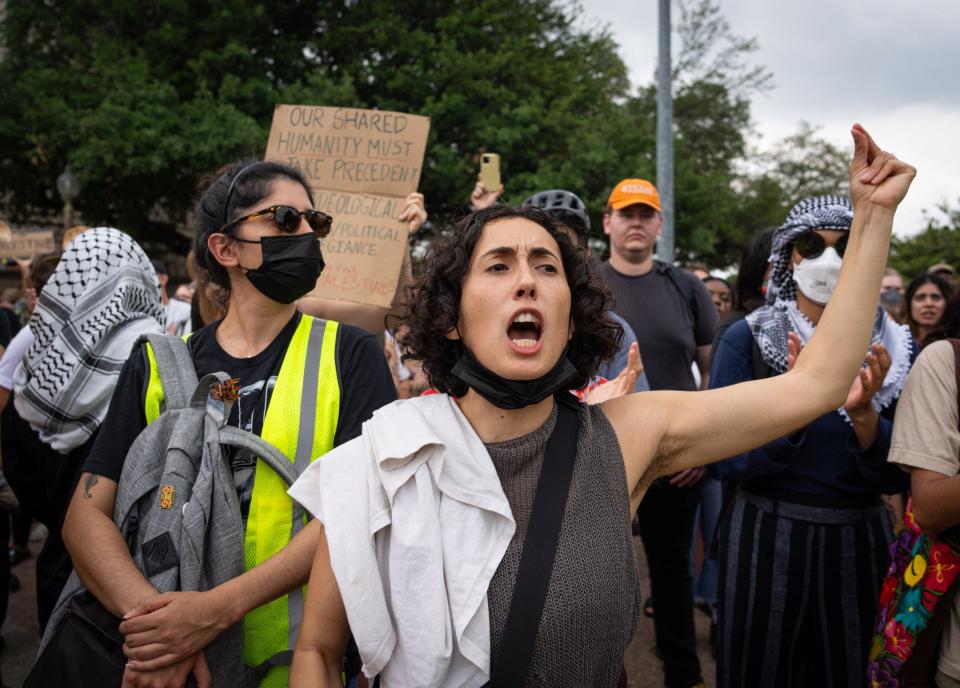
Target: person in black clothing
[
  {"x": 100, "y": 297},
  {"x": 673, "y": 316}
]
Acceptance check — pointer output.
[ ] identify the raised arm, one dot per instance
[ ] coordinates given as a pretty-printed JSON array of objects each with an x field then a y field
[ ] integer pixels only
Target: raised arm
[{"x": 681, "y": 430}]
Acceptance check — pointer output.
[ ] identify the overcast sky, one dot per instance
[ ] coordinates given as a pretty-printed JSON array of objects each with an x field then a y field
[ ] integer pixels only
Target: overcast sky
[{"x": 893, "y": 66}]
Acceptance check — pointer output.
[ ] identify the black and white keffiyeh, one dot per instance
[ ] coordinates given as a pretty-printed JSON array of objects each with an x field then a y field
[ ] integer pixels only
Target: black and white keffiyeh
[
  {"x": 816, "y": 212},
  {"x": 770, "y": 324},
  {"x": 103, "y": 295}
]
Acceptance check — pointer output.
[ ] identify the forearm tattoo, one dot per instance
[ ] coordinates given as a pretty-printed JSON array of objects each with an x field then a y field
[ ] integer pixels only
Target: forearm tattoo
[{"x": 88, "y": 483}]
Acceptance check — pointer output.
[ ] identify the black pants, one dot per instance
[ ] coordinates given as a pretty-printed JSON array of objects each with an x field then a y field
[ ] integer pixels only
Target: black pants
[
  {"x": 799, "y": 588},
  {"x": 44, "y": 481},
  {"x": 666, "y": 527},
  {"x": 4, "y": 565},
  {"x": 22, "y": 523}
]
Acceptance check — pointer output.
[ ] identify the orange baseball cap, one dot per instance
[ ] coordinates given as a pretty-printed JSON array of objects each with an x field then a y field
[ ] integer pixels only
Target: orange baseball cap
[{"x": 631, "y": 191}]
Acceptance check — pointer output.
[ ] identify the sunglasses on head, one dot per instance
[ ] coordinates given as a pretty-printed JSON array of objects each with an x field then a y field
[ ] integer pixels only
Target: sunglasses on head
[
  {"x": 287, "y": 220},
  {"x": 812, "y": 245}
]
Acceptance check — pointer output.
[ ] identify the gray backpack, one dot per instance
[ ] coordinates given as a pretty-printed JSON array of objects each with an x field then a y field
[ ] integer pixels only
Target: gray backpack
[{"x": 177, "y": 505}]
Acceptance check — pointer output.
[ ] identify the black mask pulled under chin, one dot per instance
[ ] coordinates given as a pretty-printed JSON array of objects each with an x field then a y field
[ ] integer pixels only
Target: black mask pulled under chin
[{"x": 512, "y": 394}]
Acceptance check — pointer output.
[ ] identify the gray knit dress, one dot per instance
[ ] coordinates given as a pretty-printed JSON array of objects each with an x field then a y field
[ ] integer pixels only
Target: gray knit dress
[{"x": 593, "y": 600}]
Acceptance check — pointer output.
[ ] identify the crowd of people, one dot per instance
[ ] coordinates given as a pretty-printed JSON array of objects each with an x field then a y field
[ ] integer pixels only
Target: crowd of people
[{"x": 488, "y": 447}]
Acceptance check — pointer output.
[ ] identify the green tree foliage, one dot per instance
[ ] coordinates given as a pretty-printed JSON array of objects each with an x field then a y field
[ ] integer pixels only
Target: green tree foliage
[
  {"x": 938, "y": 242},
  {"x": 717, "y": 207},
  {"x": 141, "y": 100},
  {"x": 804, "y": 164},
  {"x": 712, "y": 52},
  {"x": 515, "y": 78}
]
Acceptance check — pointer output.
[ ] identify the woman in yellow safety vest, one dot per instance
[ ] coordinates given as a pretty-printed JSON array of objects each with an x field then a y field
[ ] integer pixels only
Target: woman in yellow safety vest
[{"x": 305, "y": 385}]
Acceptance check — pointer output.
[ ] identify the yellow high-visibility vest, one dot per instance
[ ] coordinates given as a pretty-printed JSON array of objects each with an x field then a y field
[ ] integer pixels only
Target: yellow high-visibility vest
[{"x": 301, "y": 421}]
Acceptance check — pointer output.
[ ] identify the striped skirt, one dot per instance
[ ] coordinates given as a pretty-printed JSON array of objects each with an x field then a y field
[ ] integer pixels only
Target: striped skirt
[{"x": 799, "y": 588}]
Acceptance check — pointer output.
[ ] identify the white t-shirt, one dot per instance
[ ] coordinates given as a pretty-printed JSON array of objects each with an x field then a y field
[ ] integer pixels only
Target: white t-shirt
[
  {"x": 925, "y": 435},
  {"x": 13, "y": 355}
]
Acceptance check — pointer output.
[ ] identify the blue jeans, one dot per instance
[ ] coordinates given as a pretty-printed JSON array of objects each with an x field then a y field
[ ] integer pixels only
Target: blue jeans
[{"x": 705, "y": 582}]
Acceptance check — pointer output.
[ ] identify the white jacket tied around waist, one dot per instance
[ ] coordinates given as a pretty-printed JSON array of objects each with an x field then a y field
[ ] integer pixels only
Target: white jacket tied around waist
[{"x": 416, "y": 523}]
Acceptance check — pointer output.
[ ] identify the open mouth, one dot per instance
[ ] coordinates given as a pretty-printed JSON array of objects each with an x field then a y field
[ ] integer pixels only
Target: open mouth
[{"x": 525, "y": 330}]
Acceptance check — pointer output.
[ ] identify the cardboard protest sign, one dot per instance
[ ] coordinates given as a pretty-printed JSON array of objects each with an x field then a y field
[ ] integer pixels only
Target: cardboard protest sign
[
  {"x": 361, "y": 165},
  {"x": 27, "y": 244}
]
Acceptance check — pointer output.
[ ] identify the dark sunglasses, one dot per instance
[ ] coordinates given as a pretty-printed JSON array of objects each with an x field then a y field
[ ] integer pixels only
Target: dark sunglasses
[
  {"x": 811, "y": 245},
  {"x": 287, "y": 220}
]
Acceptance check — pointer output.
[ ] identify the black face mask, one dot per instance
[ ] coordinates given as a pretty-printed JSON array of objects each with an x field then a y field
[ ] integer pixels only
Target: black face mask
[
  {"x": 290, "y": 268},
  {"x": 512, "y": 394}
]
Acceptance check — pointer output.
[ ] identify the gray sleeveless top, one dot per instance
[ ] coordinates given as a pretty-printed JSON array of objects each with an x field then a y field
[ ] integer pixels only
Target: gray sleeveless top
[{"x": 593, "y": 599}]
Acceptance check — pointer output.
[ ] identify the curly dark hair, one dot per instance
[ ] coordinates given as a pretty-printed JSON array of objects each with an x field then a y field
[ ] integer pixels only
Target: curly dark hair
[{"x": 433, "y": 308}]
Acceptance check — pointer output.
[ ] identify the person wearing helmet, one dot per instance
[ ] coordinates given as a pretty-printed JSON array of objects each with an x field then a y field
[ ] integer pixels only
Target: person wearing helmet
[{"x": 566, "y": 207}]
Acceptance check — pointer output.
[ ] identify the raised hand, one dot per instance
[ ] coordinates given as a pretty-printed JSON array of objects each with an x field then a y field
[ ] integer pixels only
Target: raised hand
[
  {"x": 413, "y": 211},
  {"x": 868, "y": 380},
  {"x": 794, "y": 347},
  {"x": 482, "y": 197},
  {"x": 624, "y": 383},
  {"x": 688, "y": 477},
  {"x": 876, "y": 176}
]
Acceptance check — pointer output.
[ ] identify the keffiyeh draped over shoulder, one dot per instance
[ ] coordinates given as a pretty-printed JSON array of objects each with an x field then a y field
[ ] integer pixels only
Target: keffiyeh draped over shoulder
[
  {"x": 103, "y": 295},
  {"x": 771, "y": 323}
]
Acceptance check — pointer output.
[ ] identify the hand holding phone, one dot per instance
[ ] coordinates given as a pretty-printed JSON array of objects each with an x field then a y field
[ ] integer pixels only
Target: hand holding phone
[{"x": 490, "y": 171}]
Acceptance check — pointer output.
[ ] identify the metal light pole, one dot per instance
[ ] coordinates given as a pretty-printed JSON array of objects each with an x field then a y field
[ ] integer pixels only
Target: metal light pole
[
  {"x": 665, "y": 134},
  {"x": 69, "y": 188}
]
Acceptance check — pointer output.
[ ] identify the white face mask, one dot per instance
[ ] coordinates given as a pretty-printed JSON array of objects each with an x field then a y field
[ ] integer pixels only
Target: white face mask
[{"x": 817, "y": 277}]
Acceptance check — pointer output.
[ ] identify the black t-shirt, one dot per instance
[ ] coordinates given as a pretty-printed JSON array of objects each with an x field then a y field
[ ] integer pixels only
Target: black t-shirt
[
  {"x": 664, "y": 322},
  {"x": 365, "y": 381},
  {"x": 9, "y": 326}
]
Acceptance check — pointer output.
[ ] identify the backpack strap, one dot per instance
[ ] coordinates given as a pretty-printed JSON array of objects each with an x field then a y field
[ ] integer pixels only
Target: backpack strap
[
  {"x": 235, "y": 437},
  {"x": 539, "y": 549},
  {"x": 682, "y": 285},
  {"x": 260, "y": 671},
  {"x": 178, "y": 376}
]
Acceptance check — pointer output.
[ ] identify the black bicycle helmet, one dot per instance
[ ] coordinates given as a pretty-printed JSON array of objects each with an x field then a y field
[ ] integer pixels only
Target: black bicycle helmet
[{"x": 565, "y": 207}]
